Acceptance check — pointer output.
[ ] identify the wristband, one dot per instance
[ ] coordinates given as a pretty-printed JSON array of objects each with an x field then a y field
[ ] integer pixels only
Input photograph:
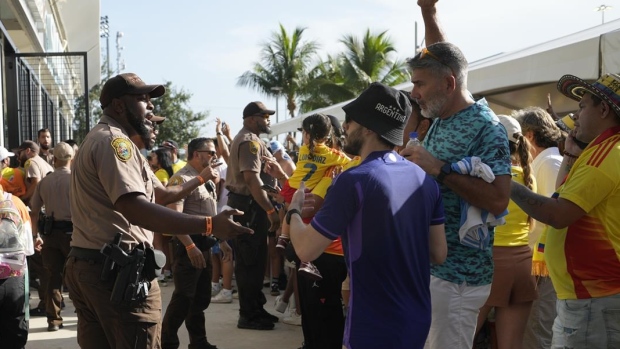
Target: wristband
[
  {"x": 273, "y": 210},
  {"x": 189, "y": 247},
  {"x": 219, "y": 134},
  {"x": 570, "y": 155},
  {"x": 290, "y": 213},
  {"x": 201, "y": 180},
  {"x": 209, "y": 231}
]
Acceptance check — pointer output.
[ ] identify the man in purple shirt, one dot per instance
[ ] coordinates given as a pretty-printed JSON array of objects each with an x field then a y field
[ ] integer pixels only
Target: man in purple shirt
[{"x": 390, "y": 216}]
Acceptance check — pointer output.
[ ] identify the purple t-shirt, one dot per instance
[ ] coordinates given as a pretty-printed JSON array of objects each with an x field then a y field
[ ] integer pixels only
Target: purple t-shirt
[{"x": 383, "y": 209}]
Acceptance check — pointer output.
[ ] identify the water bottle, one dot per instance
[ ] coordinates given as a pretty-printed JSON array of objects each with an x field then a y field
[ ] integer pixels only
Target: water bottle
[{"x": 413, "y": 140}]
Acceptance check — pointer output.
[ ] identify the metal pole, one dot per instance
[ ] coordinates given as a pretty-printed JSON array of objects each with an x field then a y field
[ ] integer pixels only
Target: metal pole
[{"x": 105, "y": 33}]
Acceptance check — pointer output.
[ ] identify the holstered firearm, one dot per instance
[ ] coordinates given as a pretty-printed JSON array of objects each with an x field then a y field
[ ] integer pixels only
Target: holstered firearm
[{"x": 130, "y": 284}]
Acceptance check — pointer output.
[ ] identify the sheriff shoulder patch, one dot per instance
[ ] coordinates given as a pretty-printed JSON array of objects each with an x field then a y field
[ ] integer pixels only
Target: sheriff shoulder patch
[
  {"x": 254, "y": 146},
  {"x": 175, "y": 181},
  {"x": 122, "y": 148}
]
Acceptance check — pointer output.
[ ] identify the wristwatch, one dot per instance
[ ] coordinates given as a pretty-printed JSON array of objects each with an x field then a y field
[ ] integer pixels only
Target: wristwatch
[
  {"x": 445, "y": 170},
  {"x": 289, "y": 213}
]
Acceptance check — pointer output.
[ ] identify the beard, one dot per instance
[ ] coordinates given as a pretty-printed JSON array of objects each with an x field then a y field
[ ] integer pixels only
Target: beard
[
  {"x": 44, "y": 146},
  {"x": 142, "y": 127},
  {"x": 266, "y": 129},
  {"x": 354, "y": 142},
  {"x": 433, "y": 107}
]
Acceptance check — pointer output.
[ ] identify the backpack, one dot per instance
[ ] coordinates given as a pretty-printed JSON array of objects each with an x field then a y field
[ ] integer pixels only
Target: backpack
[{"x": 13, "y": 239}]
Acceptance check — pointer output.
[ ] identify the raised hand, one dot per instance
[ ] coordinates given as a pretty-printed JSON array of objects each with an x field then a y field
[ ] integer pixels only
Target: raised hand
[{"x": 224, "y": 228}]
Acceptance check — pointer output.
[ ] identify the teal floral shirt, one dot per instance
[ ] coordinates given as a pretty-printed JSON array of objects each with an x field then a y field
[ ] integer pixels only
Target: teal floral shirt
[{"x": 474, "y": 131}]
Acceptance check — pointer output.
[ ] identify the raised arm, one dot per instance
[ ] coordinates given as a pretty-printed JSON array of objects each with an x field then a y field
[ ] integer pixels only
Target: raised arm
[{"x": 432, "y": 30}]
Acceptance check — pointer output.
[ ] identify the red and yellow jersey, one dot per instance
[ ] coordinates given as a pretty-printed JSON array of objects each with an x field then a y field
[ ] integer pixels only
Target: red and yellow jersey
[
  {"x": 311, "y": 167},
  {"x": 584, "y": 258}
]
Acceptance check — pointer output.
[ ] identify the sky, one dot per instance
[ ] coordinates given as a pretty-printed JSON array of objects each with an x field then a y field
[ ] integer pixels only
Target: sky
[{"x": 203, "y": 46}]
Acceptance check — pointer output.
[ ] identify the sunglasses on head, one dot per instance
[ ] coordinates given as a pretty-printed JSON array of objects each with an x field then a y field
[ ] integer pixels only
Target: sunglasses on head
[{"x": 427, "y": 53}]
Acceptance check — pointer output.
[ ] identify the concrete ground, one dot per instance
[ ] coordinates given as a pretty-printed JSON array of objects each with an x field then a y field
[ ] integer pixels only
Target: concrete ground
[{"x": 221, "y": 324}]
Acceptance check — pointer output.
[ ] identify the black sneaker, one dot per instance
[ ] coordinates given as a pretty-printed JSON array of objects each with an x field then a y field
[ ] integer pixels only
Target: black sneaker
[
  {"x": 266, "y": 315},
  {"x": 275, "y": 289},
  {"x": 259, "y": 323},
  {"x": 54, "y": 328},
  {"x": 37, "y": 312}
]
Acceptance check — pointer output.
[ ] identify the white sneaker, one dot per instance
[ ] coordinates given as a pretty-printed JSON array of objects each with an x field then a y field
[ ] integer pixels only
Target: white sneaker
[
  {"x": 161, "y": 280},
  {"x": 293, "y": 318},
  {"x": 215, "y": 289},
  {"x": 224, "y": 296},
  {"x": 280, "y": 305}
]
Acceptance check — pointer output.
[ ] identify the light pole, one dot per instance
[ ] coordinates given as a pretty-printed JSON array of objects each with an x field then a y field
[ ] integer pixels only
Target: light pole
[
  {"x": 277, "y": 90},
  {"x": 120, "y": 65},
  {"x": 602, "y": 10},
  {"x": 105, "y": 33}
]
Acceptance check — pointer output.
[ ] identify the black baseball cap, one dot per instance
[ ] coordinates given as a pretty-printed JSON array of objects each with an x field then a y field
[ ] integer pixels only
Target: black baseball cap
[
  {"x": 127, "y": 84},
  {"x": 256, "y": 108}
]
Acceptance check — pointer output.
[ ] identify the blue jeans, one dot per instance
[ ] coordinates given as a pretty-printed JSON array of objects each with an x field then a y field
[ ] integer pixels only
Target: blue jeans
[{"x": 587, "y": 323}]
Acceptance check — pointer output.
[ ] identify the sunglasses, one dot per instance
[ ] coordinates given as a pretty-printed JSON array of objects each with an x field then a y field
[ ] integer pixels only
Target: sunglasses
[
  {"x": 210, "y": 152},
  {"x": 427, "y": 53},
  {"x": 264, "y": 116}
]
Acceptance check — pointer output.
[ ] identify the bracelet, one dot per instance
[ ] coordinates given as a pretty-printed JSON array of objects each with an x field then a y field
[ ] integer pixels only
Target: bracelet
[
  {"x": 219, "y": 134},
  {"x": 290, "y": 213},
  {"x": 189, "y": 247},
  {"x": 273, "y": 210},
  {"x": 570, "y": 155},
  {"x": 201, "y": 180},
  {"x": 209, "y": 226}
]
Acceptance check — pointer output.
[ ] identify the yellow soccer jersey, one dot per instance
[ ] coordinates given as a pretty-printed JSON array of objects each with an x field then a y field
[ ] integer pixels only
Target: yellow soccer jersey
[
  {"x": 311, "y": 167},
  {"x": 584, "y": 258}
]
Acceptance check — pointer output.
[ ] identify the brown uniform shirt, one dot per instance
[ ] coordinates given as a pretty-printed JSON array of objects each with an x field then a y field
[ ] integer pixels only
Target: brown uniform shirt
[
  {"x": 49, "y": 157},
  {"x": 53, "y": 192},
  {"x": 37, "y": 167},
  {"x": 200, "y": 201},
  {"x": 108, "y": 166},
  {"x": 246, "y": 154}
]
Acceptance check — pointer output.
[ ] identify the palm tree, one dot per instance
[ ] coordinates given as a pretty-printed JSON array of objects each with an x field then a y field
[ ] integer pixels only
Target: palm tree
[
  {"x": 326, "y": 85},
  {"x": 284, "y": 63},
  {"x": 370, "y": 60},
  {"x": 345, "y": 76}
]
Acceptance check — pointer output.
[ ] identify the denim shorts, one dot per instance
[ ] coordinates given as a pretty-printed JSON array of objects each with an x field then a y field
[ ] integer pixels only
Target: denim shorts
[{"x": 587, "y": 323}]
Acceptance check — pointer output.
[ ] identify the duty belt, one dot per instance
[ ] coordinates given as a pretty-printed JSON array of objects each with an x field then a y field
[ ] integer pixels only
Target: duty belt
[{"x": 87, "y": 254}]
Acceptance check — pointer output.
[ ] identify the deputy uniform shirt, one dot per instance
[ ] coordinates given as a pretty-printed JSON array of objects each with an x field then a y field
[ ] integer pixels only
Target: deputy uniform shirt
[
  {"x": 37, "y": 168},
  {"x": 246, "y": 154},
  {"x": 200, "y": 201},
  {"x": 108, "y": 166},
  {"x": 49, "y": 157},
  {"x": 584, "y": 258},
  {"x": 53, "y": 192}
]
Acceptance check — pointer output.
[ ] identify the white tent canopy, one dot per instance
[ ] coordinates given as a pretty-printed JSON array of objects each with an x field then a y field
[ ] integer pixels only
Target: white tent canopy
[{"x": 523, "y": 78}]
